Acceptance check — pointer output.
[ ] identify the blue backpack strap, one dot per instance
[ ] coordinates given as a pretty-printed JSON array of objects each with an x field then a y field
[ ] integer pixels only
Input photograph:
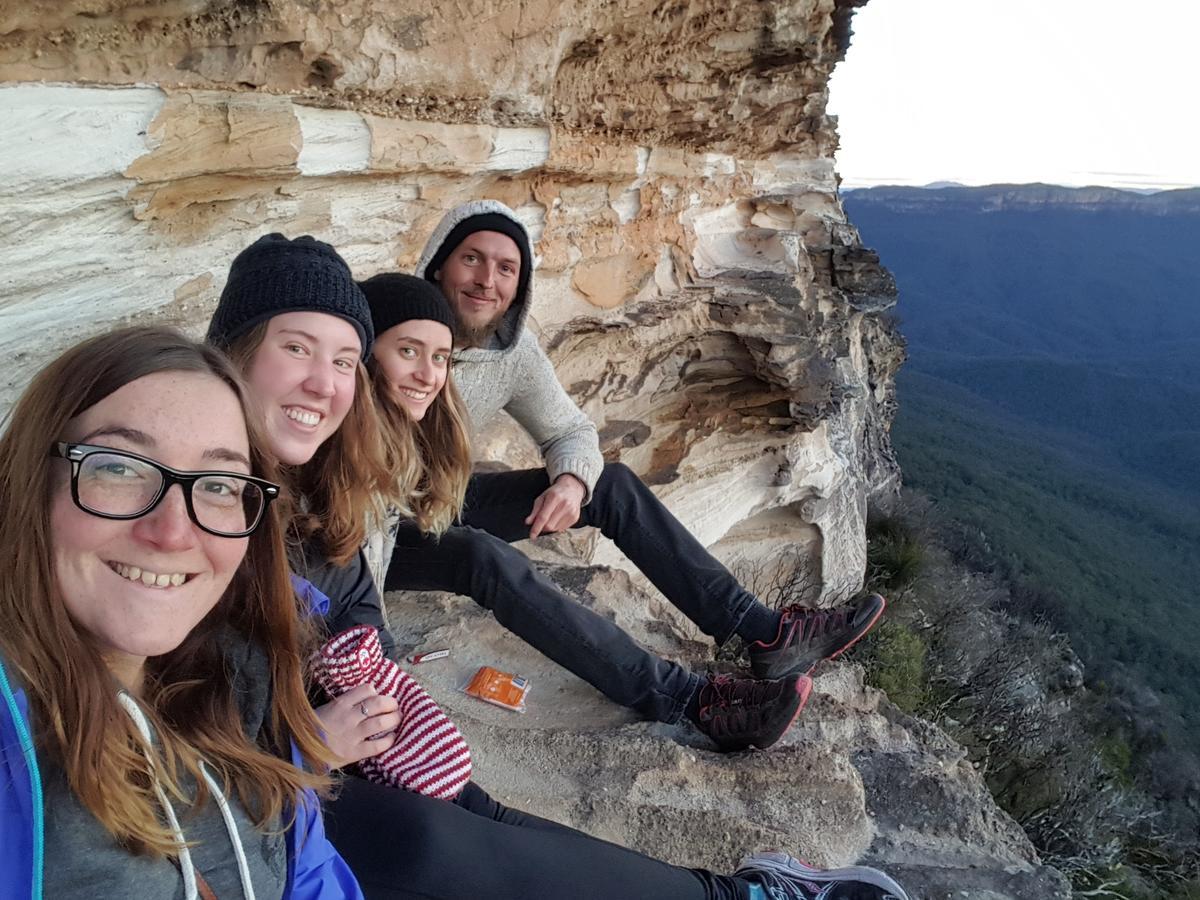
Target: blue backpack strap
[{"x": 317, "y": 602}]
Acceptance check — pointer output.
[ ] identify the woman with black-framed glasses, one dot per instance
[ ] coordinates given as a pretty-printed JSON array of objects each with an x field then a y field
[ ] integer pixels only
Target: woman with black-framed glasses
[
  {"x": 153, "y": 720},
  {"x": 118, "y": 485}
]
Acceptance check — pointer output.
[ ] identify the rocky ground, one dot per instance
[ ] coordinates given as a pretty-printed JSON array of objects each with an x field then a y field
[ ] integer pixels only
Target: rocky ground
[{"x": 854, "y": 780}]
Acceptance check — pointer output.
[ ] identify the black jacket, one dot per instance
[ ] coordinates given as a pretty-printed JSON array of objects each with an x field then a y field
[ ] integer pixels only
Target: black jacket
[{"x": 353, "y": 597}]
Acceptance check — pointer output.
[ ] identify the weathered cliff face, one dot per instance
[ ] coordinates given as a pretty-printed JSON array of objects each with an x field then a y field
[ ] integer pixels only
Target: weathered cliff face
[
  {"x": 854, "y": 779},
  {"x": 698, "y": 285}
]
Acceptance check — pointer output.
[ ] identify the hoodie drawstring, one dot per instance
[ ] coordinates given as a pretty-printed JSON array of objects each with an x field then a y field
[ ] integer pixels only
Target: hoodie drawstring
[{"x": 186, "y": 866}]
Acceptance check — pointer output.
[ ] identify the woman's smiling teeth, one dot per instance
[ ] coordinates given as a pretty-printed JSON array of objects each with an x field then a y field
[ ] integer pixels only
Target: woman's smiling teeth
[
  {"x": 415, "y": 395},
  {"x": 148, "y": 578},
  {"x": 303, "y": 416}
]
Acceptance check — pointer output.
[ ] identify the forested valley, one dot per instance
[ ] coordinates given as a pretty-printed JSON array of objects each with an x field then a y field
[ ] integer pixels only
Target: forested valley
[{"x": 1047, "y": 550}]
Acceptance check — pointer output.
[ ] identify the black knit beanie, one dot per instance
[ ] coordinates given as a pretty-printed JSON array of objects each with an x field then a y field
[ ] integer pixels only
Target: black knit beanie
[
  {"x": 485, "y": 222},
  {"x": 395, "y": 298},
  {"x": 274, "y": 275}
]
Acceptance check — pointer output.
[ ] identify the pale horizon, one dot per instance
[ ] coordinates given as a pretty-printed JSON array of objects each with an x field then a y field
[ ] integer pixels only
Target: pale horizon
[
  {"x": 943, "y": 183},
  {"x": 1076, "y": 93}
]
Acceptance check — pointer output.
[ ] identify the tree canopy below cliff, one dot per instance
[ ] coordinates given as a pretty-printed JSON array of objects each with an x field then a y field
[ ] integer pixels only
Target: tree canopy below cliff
[{"x": 1051, "y": 399}]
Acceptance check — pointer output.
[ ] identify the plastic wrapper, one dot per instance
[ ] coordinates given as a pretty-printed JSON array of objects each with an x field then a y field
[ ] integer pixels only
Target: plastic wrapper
[{"x": 499, "y": 688}]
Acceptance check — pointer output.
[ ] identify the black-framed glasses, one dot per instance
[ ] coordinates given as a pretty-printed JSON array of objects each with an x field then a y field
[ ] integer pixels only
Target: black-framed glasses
[{"x": 113, "y": 484}]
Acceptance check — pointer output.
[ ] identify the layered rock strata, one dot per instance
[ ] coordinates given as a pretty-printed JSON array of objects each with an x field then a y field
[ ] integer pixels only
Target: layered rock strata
[{"x": 698, "y": 284}]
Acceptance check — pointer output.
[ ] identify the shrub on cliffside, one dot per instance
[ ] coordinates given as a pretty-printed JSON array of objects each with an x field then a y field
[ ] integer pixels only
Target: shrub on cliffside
[
  {"x": 895, "y": 554},
  {"x": 894, "y": 659},
  {"x": 1097, "y": 779}
]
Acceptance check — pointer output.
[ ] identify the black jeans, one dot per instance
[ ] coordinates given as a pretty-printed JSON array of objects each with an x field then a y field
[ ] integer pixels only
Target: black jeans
[
  {"x": 474, "y": 559},
  {"x": 405, "y": 845}
]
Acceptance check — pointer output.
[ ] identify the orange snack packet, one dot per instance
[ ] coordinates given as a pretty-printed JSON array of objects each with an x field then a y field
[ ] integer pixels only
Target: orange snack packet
[{"x": 501, "y": 688}]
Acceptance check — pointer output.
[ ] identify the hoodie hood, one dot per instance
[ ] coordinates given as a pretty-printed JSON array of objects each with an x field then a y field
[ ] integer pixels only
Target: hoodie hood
[{"x": 455, "y": 227}]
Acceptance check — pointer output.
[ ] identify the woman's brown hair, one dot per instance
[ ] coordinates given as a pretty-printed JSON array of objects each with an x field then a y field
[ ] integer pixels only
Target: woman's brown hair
[
  {"x": 188, "y": 692},
  {"x": 430, "y": 460},
  {"x": 348, "y": 479}
]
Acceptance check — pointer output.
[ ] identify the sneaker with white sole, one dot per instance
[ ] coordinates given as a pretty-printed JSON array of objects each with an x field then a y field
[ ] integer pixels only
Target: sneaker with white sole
[{"x": 783, "y": 877}]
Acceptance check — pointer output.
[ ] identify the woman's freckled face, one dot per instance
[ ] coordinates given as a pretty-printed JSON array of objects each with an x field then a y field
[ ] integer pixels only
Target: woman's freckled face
[
  {"x": 415, "y": 358},
  {"x": 303, "y": 375},
  {"x": 186, "y": 420}
]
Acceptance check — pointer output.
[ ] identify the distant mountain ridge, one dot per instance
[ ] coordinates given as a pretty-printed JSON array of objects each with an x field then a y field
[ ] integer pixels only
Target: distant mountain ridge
[
  {"x": 995, "y": 197},
  {"x": 1051, "y": 400}
]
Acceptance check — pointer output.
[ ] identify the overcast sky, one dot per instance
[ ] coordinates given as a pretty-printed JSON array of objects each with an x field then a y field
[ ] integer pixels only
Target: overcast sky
[{"x": 1068, "y": 92}]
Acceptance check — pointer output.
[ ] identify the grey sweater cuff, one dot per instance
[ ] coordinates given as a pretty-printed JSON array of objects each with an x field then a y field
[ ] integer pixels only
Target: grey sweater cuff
[{"x": 585, "y": 469}]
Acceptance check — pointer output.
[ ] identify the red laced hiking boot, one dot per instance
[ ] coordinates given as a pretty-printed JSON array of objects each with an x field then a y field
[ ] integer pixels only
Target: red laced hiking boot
[
  {"x": 740, "y": 713},
  {"x": 807, "y": 636}
]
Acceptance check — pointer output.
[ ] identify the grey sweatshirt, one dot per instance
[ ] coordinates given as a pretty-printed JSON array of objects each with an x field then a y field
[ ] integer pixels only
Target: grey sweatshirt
[
  {"x": 89, "y": 863},
  {"x": 515, "y": 375}
]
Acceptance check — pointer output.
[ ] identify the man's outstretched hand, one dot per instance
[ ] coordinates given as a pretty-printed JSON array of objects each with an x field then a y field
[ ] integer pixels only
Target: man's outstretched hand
[{"x": 557, "y": 507}]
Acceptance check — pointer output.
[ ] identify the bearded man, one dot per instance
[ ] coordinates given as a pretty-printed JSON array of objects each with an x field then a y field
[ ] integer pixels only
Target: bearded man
[{"x": 481, "y": 258}]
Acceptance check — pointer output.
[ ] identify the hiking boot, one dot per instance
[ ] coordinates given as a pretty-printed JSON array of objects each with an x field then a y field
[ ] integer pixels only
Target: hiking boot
[
  {"x": 807, "y": 636},
  {"x": 783, "y": 877},
  {"x": 740, "y": 713}
]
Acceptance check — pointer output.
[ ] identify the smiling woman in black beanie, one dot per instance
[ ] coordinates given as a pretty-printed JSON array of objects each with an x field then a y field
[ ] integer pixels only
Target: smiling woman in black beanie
[
  {"x": 299, "y": 328},
  {"x": 424, "y": 422}
]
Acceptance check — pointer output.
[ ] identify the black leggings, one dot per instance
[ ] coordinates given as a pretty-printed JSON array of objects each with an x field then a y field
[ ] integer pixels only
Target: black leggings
[{"x": 404, "y": 845}]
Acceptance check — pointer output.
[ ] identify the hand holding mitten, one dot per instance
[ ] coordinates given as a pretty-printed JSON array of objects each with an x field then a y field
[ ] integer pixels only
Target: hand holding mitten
[{"x": 429, "y": 755}]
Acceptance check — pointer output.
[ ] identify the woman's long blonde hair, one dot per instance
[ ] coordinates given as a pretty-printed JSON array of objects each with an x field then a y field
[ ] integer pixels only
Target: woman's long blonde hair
[
  {"x": 430, "y": 460},
  {"x": 189, "y": 693},
  {"x": 346, "y": 484}
]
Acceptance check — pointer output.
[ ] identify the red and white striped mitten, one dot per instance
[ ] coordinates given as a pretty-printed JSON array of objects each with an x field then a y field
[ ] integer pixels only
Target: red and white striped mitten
[{"x": 429, "y": 756}]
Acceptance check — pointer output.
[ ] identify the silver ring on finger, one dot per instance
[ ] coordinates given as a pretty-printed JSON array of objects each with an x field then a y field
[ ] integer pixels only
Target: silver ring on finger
[{"x": 362, "y": 708}]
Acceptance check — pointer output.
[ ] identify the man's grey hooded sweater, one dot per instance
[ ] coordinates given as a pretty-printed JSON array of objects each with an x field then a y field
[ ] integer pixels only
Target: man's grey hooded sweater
[{"x": 514, "y": 374}]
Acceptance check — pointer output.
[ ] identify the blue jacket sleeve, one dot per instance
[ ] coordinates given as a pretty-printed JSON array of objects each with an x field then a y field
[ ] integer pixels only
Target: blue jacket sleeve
[
  {"x": 349, "y": 594},
  {"x": 20, "y": 803},
  {"x": 311, "y": 598},
  {"x": 318, "y": 872}
]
